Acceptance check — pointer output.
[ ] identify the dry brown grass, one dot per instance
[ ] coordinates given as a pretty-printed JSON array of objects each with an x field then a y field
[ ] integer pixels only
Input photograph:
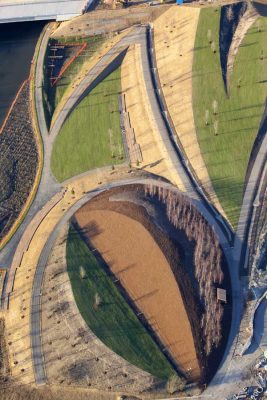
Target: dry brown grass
[{"x": 28, "y": 392}]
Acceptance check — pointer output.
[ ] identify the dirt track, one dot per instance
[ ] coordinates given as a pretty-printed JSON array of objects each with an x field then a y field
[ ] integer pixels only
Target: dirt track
[{"x": 133, "y": 256}]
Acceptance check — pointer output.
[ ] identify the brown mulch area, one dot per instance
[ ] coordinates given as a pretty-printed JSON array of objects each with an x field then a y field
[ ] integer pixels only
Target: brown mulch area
[{"x": 172, "y": 250}]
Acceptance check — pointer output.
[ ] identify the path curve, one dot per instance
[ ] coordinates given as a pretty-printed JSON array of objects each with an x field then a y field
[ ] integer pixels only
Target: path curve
[
  {"x": 181, "y": 167},
  {"x": 36, "y": 336}
]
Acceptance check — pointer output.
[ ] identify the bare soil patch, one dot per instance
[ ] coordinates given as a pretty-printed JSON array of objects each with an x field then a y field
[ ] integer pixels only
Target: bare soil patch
[
  {"x": 136, "y": 259},
  {"x": 179, "y": 251}
]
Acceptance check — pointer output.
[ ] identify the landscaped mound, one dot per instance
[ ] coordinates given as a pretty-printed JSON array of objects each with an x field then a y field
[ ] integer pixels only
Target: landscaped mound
[
  {"x": 18, "y": 161},
  {"x": 227, "y": 126},
  {"x": 91, "y": 136},
  {"x": 166, "y": 262},
  {"x": 64, "y": 60}
]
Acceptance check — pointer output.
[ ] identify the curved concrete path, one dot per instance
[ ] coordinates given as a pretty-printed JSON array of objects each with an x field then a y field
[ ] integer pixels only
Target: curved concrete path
[
  {"x": 139, "y": 35},
  {"x": 36, "y": 330}
]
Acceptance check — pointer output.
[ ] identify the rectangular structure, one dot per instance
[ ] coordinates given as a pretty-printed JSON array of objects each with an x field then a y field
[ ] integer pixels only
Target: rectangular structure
[{"x": 221, "y": 295}]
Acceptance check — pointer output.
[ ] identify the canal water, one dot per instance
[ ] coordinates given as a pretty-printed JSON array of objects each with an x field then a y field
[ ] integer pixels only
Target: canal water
[{"x": 17, "y": 44}]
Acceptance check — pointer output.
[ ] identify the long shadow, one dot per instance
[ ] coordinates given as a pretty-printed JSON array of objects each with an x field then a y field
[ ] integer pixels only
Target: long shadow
[
  {"x": 107, "y": 71},
  {"x": 227, "y": 30},
  {"x": 125, "y": 295},
  {"x": 257, "y": 143}
]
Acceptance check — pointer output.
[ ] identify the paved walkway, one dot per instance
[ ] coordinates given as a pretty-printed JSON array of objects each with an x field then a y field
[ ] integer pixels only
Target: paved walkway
[
  {"x": 50, "y": 223},
  {"x": 40, "y": 374},
  {"x": 140, "y": 36}
]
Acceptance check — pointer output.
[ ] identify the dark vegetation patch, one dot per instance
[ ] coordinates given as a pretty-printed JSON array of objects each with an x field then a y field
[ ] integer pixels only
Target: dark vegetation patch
[{"x": 18, "y": 161}]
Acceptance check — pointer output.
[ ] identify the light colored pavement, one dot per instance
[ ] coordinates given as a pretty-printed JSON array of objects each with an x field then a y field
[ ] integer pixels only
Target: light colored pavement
[
  {"x": 240, "y": 249},
  {"x": 21, "y": 10}
]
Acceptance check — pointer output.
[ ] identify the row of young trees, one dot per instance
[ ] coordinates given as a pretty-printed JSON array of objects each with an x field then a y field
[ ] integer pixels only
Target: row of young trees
[{"x": 207, "y": 257}]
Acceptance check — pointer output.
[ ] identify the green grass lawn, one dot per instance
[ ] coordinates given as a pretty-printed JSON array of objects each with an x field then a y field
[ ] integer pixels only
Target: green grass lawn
[
  {"x": 226, "y": 155},
  {"x": 53, "y": 95},
  {"x": 113, "y": 321},
  {"x": 91, "y": 136}
]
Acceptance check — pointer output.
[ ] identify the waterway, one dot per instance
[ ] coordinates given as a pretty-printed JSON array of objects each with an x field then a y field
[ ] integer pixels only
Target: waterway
[{"x": 17, "y": 44}]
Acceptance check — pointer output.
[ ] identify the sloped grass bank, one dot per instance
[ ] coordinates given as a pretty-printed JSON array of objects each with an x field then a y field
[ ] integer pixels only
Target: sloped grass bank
[
  {"x": 226, "y": 153},
  {"x": 53, "y": 95},
  {"x": 91, "y": 136},
  {"x": 113, "y": 322}
]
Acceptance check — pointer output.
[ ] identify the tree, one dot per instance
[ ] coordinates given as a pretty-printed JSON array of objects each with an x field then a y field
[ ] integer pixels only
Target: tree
[
  {"x": 82, "y": 271},
  {"x": 229, "y": 13},
  {"x": 209, "y": 36},
  {"x": 215, "y": 107},
  {"x": 175, "y": 383},
  {"x": 98, "y": 301},
  {"x": 258, "y": 25},
  {"x": 213, "y": 47},
  {"x": 207, "y": 117},
  {"x": 216, "y": 127}
]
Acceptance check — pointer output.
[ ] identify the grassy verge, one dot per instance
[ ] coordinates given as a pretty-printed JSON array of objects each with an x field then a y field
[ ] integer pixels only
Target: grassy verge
[
  {"x": 226, "y": 154},
  {"x": 113, "y": 322},
  {"x": 53, "y": 95},
  {"x": 91, "y": 136}
]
